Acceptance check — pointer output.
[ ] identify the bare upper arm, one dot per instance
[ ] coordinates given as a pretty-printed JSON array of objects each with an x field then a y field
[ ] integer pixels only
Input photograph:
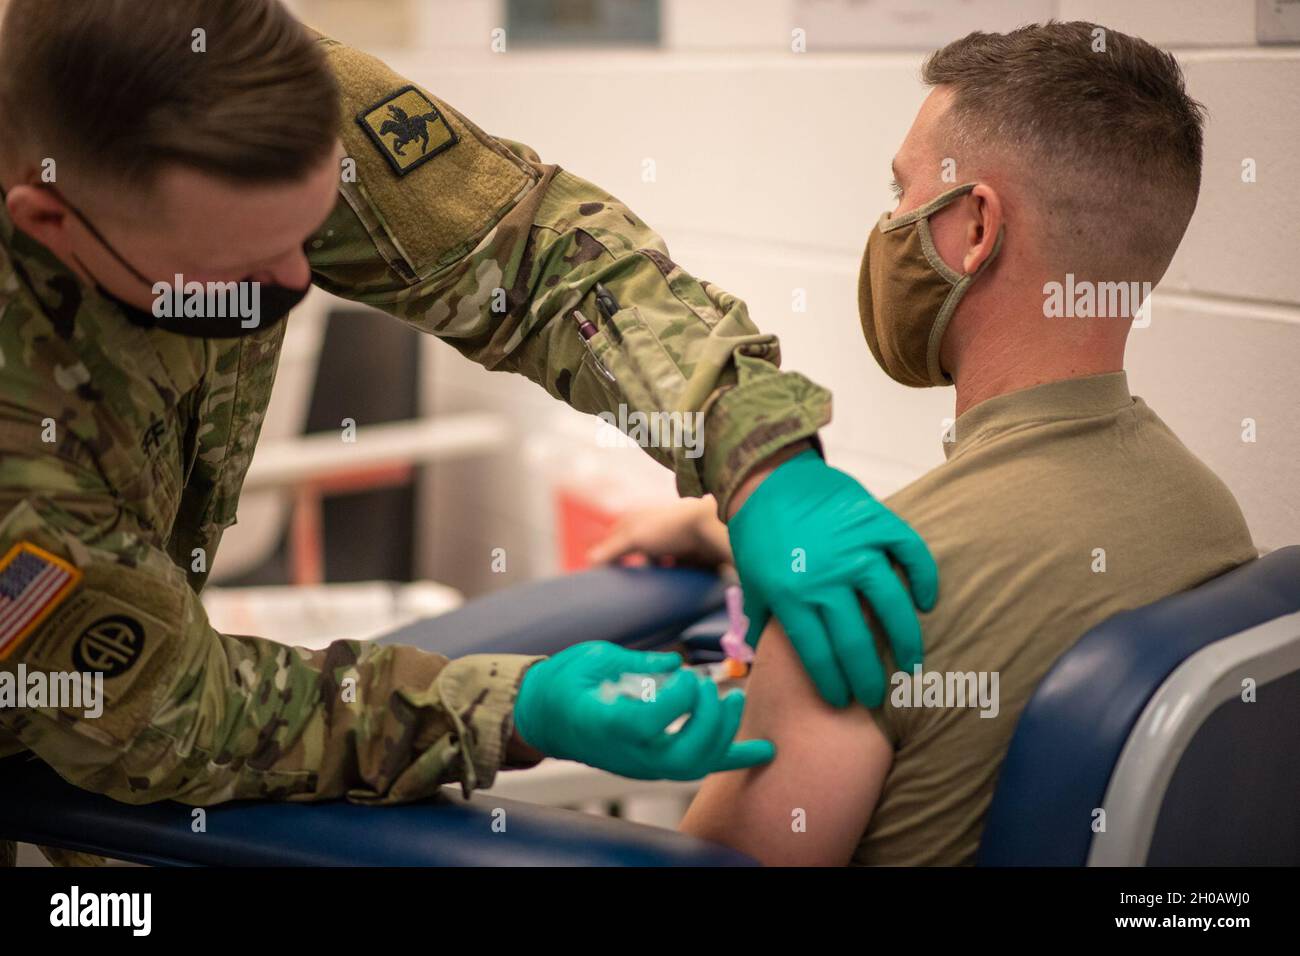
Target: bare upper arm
[{"x": 811, "y": 805}]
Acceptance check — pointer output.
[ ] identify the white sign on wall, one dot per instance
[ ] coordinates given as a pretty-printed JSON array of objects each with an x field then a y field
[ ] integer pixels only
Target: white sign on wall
[{"x": 906, "y": 24}]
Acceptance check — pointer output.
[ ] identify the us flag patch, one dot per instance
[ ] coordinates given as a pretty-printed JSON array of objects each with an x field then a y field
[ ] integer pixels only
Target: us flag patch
[{"x": 32, "y": 584}]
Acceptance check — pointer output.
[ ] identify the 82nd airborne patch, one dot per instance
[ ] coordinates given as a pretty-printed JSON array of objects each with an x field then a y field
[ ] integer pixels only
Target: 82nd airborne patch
[
  {"x": 110, "y": 645},
  {"x": 407, "y": 128}
]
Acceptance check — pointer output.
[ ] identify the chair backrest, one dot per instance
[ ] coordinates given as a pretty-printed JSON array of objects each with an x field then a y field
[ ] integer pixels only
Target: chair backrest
[{"x": 1148, "y": 726}]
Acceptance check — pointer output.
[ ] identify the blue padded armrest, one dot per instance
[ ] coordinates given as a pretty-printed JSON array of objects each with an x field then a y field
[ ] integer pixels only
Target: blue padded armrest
[
  {"x": 644, "y": 607},
  {"x": 36, "y": 806},
  {"x": 1075, "y": 725}
]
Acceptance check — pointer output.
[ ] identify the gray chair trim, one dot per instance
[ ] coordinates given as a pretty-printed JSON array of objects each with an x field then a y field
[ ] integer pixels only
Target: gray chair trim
[{"x": 1172, "y": 717}]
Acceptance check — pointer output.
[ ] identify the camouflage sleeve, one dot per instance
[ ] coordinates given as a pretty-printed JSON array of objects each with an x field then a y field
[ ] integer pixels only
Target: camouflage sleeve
[
  {"x": 477, "y": 242},
  {"x": 202, "y": 717}
]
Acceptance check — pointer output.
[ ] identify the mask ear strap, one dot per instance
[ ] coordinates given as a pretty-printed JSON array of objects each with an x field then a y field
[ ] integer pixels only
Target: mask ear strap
[
  {"x": 932, "y": 254},
  {"x": 90, "y": 227},
  {"x": 929, "y": 209},
  {"x": 937, "y": 376}
]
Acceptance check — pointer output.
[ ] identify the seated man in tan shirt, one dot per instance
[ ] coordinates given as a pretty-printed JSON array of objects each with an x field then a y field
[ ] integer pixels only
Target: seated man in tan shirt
[{"x": 1063, "y": 500}]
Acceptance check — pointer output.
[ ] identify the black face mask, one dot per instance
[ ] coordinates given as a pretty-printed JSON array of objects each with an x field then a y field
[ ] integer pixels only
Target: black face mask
[{"x": 250, "y": 306}]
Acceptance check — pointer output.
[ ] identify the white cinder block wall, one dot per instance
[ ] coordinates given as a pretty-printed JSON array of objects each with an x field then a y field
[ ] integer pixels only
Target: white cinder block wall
[{"x": 771, "y": 167}]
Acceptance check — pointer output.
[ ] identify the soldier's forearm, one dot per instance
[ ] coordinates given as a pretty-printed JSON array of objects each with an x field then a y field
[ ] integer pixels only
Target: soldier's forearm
[
  {"x": 190, "y": 714},
  {"x": 381, "y": 724},
  {"x": 665, "y": 344},
  {"x": 753, "y": 478}
]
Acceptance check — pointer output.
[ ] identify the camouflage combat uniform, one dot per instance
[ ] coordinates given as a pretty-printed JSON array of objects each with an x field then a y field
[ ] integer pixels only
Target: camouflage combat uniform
[{"x": 461, "y": 235}]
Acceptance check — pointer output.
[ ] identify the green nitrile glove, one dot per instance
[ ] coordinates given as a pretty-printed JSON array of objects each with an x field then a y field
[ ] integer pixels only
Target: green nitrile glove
[
  {"x": 807, "y": 542},
  {"x": 564, "y": 711}
]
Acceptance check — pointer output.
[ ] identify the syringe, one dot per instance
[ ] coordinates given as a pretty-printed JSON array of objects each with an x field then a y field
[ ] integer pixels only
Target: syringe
[
  {"x": 739, "y": 655},
  {"x": 646, "y": 686}
]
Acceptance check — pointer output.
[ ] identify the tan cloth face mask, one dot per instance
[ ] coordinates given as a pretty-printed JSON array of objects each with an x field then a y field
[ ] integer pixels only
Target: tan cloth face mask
[{"x": 907, "y": 294}]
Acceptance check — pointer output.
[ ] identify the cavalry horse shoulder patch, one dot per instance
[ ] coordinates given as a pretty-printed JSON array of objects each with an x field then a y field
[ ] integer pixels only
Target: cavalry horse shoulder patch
[{"x": 407, "y": 128}]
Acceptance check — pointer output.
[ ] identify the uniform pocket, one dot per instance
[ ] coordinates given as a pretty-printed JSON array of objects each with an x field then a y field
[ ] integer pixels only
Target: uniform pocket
[{"x": 647, "y": 378}]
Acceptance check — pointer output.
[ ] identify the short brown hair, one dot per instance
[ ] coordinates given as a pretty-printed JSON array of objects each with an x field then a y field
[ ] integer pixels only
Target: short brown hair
[
  {"x": 114, "y": 89},
  {"x": 1114, "y": 139}
]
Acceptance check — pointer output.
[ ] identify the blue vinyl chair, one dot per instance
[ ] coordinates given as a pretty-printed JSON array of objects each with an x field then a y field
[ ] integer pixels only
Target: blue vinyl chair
[
  {"x": 1134, "y": 720},
  {"x": 1144, "y": 719}
]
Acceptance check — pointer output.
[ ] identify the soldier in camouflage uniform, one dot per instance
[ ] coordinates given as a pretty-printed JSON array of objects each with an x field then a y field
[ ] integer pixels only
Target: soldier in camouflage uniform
[{"x": 459, "y": 234}]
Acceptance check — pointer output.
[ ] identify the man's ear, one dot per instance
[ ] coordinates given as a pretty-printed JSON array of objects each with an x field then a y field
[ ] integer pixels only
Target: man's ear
[
  {"x": 984, "y": 209},
  {"x": 41, "y": 214}
]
